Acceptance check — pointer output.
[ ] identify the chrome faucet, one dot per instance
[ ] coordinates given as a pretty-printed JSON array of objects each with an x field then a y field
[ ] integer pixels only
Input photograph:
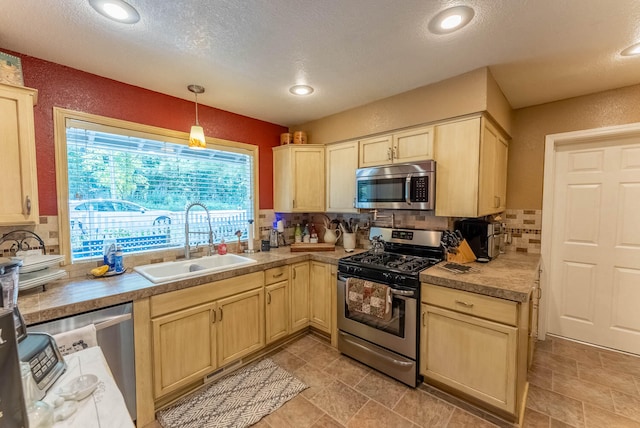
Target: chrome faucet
[{"x": 187, "y": 247}]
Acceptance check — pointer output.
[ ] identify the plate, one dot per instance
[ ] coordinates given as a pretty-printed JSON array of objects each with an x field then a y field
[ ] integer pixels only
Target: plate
[
  {"x": 79, "y": 387},
  {"x": 35, "y": 279},
  {"x": 36, "y": 262}
]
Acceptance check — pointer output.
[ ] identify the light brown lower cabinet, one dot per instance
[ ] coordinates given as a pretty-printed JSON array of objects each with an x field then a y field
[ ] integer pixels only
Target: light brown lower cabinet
[
  {"x": 276, "y": 311},
  {"x": 475, "y": 345},
  {"x": 322, "y": 281},
  {"x": 299, "y": 296},
  {"x": 191, "y": 339}
]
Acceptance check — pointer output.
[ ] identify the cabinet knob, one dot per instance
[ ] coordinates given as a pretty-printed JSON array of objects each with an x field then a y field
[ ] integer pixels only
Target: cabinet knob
[{"x": 27, "y": 205}]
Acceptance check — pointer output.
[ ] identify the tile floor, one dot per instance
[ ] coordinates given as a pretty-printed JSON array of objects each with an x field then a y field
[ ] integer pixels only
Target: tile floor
[{"x": 571, "y": 385}]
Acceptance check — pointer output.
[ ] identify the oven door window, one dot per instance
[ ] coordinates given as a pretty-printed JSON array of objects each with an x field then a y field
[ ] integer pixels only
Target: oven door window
[{"x": 394, "y": 326}]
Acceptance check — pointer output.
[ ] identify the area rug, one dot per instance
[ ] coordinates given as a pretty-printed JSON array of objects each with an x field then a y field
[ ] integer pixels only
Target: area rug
[{"x": 238, "y": 400}]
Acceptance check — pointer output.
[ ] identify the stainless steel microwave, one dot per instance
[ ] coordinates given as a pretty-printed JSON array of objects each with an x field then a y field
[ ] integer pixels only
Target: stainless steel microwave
[{"x": 408, "y": 186}]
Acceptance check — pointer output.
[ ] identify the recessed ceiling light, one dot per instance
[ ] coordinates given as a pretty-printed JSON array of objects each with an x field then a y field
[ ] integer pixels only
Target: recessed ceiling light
[
  {"x": 631, "y": 50},
  {"x": 117, "y": 10},
  {"x": 301, "y": 90},
  {"x": 451, "y": 19}
]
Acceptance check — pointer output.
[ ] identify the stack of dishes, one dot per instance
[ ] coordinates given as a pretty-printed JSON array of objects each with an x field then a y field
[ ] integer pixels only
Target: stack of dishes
[{"x": 39, "y": 269}]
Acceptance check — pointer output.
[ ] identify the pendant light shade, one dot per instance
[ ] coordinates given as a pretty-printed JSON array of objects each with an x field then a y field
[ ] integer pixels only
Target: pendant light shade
[{"x": 196, "y": 136}]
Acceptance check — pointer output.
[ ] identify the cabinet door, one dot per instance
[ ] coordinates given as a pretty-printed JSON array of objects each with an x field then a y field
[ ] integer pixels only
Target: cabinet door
[
  {"x": 321, "y": 283},
  {"x": 493, "y": 171},
  {"x": 308, "y": 179},
  {"x": 240, "y": 325},
  {"x": 18, "y": 160},
  {"x": 299, "y": 296},
  {"x": 472, "y": 355},
  {"x": 277, "y": 311},
  {"x": 456, "y": 151},
  {"x": 282, "y": 185},
  {"x": 342, "y": 162},
  {"x": 413, "y": 145},
  {"x": 375, "y": 151},
  {"x": 183, "y": 347}
]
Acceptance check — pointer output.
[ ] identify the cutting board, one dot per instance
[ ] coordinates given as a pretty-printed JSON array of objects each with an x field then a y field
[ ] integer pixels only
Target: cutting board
[{"x": 321, "y": 246}]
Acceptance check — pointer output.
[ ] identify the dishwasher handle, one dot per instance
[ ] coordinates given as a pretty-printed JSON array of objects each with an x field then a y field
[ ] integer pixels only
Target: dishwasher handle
[{"x": 112, "y": 321}]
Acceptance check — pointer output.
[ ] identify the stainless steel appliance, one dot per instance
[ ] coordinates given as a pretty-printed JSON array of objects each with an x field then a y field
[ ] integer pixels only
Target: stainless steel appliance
[
  {"x": 114, "y": 332},
  {"x": 409, "y": 186},
  {"x": 485, "y": 238},
  {"x": 388, "y": 346}
]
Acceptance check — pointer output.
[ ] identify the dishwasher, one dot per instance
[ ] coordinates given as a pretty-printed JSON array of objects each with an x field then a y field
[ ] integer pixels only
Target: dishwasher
[{"x": 114, "y": 331}]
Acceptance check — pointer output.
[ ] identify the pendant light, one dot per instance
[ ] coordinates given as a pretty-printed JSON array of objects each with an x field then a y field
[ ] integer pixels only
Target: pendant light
[{"x": 196, "y": 136}]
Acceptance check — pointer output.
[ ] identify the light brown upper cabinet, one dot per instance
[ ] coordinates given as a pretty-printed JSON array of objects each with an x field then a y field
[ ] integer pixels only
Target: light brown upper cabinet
[
  {"x": 298, "y": 178},
  {"x": 471, "y": 168},
  {"x": 18, "y": 160},
  {"x": 342, "y": 162},
  {"x": 406, "y": 146}
]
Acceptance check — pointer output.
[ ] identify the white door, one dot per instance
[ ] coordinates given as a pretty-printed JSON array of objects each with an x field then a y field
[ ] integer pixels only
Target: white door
[{"x": 594, "y": 260}]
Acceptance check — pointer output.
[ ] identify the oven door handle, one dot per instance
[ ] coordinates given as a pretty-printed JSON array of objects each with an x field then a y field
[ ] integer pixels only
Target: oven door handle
[
  {"x": 407, "y": 293},
  {"x": 384, "y": 357},
  {"x": 407, "y": 189}
]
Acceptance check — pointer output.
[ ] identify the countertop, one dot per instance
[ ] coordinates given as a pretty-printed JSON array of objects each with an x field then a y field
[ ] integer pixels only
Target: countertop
[
  {"x": 510, "y": 276},
  {"x": 69, "y": 297}
]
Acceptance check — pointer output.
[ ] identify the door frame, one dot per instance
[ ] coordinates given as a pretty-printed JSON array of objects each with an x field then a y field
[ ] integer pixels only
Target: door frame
[{"x": 552, "y": 143}]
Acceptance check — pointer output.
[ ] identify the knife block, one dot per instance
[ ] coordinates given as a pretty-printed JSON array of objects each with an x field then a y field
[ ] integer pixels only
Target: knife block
[{"x": 464, "y": 254}]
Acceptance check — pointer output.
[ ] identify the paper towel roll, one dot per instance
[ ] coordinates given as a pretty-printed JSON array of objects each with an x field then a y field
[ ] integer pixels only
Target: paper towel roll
[
  {"x": 250, "y": 243},
  {"x": 280, "y": 226}
]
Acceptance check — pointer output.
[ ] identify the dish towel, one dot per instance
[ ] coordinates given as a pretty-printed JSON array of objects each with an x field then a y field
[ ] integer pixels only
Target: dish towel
[
  {"x": 76, "y": 340},
  {"x": 369, "y": 298}
]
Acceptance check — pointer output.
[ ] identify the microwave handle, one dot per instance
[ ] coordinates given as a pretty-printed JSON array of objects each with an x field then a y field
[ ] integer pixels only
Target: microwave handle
[{"x": 407, "y": 189}]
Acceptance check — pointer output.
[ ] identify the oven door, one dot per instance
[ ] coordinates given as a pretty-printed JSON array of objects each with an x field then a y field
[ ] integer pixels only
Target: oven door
[{"x": 398, "y": 334}]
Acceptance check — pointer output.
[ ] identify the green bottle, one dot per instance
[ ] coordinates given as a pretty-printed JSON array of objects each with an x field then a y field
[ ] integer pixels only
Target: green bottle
[{"x": 298, "y": 234}]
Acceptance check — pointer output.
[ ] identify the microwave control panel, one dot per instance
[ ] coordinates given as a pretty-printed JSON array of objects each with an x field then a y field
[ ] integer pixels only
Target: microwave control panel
[{"x": 419, "y": 187}]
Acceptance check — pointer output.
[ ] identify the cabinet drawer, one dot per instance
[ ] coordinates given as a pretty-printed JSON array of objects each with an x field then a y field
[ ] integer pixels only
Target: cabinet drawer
[
  {"x": 503, "y": 311},
  {"x": 277, "y": 274}
]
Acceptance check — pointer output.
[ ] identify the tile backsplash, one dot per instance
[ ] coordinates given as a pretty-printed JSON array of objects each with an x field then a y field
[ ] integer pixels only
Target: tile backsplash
[
  {"x": 523, "y": 230},
  {"x": 522, "y": 227}
]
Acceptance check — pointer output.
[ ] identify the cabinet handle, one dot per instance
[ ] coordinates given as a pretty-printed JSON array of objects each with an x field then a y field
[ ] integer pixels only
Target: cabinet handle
[
  {"x": 27, "y": 205},
  {"x": 213, "y": 311},
  {"x": 394, "y": 154},
  {"x": 278, "y": 275},
  {"x": 354, "y": 202},
  {"x": 220, "y": 314},
  {"x": 389, "y": 156},
  {"x": 424, "y": 324},
  {"x": 268, "y": 297},
  {"x": 496, "y": 201},
  {"x": 294, "y": 203},
  {"x": 294, "y": 273},
  {"x": 468, "y": 305}
]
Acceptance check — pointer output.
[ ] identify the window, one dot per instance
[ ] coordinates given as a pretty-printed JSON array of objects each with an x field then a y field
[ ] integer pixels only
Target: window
[{"x": 132, "y": 183}]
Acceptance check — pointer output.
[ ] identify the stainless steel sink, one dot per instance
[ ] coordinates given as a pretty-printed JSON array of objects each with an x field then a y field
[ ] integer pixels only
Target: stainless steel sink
[{"x": 171, "y": 271}]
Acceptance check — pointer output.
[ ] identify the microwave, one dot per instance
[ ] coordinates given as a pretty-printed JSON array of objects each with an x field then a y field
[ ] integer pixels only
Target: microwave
[{"x": 408, "y": 186}]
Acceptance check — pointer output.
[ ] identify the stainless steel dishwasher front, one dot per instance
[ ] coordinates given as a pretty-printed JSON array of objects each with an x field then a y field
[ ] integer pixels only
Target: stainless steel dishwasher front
[{"x": 114, "y": 331}]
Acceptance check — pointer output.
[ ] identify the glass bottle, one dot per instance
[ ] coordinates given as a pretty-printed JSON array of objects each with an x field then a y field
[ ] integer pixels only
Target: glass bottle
[
  {"x": 305, "y": 234},
  {"x": 313, "y": 234},
  {"x": 298, "y": 234}
]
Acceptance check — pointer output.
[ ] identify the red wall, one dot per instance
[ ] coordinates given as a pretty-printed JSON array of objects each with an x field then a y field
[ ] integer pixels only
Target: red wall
[{"x": 60, "y": 86}]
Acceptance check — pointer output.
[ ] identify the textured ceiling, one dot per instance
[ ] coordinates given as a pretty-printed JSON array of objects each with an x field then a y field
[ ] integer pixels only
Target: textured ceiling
[{"x": 247, "y": 53}]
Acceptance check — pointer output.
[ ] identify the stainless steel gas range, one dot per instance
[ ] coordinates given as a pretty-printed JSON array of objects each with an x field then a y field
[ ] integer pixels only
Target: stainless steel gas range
[{"x": 388, "y": 343}]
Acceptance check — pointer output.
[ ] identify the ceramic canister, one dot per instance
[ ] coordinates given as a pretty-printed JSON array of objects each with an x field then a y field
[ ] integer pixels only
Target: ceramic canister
[
  {"x": 286, "y": 138},
  {"x": 299, "y": 137}
]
